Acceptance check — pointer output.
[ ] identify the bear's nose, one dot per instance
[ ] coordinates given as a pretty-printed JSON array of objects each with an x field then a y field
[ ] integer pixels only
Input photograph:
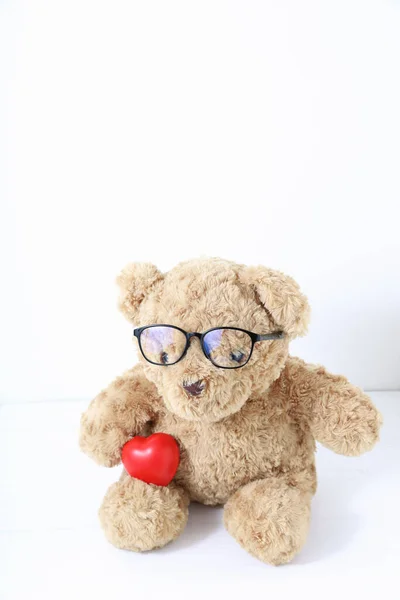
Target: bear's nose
[{"x": 194, "y": 388}]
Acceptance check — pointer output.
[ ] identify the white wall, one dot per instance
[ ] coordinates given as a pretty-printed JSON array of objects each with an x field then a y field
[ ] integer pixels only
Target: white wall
[{"x": 265, "y": 132}]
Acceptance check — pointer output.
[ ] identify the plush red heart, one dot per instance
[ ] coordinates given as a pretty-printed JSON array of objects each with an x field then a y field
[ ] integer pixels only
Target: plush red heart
[{"x": 153, "y": 459}]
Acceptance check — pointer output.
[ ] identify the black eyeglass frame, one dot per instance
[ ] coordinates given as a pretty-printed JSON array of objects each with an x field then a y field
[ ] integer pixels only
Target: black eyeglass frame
[{"x": 255, "y": 337}]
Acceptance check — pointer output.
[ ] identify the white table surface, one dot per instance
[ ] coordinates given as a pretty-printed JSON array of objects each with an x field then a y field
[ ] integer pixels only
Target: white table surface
[{"x": 51, "y": 545}]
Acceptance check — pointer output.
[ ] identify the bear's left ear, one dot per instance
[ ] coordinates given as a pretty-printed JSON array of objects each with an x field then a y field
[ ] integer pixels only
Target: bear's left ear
[
  {"x": 135, "y": 283},
  {"x": 281, "y": 297}
]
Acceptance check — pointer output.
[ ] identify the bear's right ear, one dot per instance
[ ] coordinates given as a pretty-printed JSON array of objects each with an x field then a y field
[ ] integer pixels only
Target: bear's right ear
[{"x": 135, "y": 282}]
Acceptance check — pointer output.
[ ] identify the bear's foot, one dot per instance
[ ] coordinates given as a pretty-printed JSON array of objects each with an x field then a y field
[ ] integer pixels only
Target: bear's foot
[
  {"x": 270, "y": 519},
  {"x": 139, "y": 516}
]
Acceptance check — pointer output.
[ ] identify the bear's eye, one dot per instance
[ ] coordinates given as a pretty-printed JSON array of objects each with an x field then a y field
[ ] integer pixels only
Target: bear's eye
[
  {"x": 164, "y": 358},
  {"x": 237, "y": 356}
]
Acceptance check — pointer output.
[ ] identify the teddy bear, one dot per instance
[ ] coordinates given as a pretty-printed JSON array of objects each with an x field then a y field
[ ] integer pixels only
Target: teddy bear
[{"x": 214, "y": 372}]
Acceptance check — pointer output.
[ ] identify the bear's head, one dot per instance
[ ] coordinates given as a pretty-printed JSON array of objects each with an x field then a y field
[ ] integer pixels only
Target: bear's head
[{"x": 199, "y": 295}]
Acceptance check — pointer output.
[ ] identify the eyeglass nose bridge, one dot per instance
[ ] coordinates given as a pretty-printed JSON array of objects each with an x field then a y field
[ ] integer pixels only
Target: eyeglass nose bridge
[
  {"x": 193, "y": 334},
  {"x": 189, "y": 336}
]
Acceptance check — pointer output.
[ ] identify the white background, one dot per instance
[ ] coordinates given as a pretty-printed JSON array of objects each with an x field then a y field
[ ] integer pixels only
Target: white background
[{"x": 264, "y": 132}]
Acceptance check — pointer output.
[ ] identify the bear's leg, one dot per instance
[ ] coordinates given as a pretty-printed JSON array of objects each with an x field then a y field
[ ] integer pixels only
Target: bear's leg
[
  {"x": 139, "y": 516},
  {"x": 269, "y": 518}
]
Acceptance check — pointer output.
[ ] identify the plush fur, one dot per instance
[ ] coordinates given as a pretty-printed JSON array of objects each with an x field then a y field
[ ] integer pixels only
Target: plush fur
[{"x": 248, "y": 440}]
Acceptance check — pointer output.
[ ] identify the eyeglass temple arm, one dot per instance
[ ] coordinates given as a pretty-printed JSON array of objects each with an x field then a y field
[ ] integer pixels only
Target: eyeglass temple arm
[{"x": 276, "y": 335}]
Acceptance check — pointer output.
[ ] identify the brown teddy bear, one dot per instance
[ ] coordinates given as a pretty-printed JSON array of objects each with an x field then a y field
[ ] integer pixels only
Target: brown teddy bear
[{"x": 246, "y": 435}]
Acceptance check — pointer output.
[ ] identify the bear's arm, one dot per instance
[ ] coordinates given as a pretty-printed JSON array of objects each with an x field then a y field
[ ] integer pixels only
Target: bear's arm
[
  {"x": 339, "y": 414},
  {"x": 116, "y": 414}
]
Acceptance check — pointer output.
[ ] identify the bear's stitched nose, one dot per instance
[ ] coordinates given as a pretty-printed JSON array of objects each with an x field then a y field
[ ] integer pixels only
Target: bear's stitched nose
[{"x": 195, "y": 388}]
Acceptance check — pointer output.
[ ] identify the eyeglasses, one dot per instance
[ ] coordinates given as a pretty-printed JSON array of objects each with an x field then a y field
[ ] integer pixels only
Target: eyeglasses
[{"x": 225, "y": 347}]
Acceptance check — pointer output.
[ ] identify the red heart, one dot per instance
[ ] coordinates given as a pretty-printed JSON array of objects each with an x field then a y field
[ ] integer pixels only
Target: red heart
[{"x": 154, "y": 459}]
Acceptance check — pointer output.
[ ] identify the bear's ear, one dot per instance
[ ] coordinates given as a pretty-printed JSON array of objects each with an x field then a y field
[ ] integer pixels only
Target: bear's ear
[
  {"x": 135, "y": 282},
  {"x": 281, "y": 297}
]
